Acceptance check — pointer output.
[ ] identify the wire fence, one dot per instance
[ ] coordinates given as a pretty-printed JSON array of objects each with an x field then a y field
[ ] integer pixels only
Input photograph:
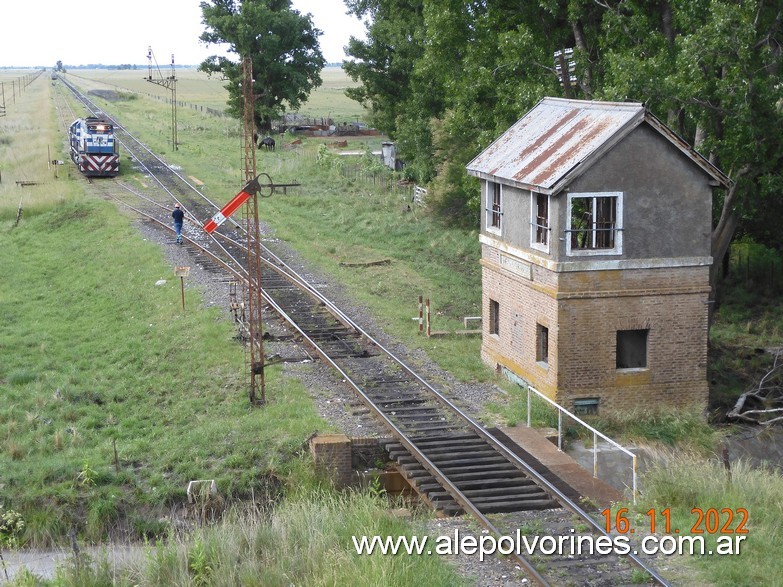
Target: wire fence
[
  {"x": 379, "y": 178},
  {"x": 755, "y": 267}
]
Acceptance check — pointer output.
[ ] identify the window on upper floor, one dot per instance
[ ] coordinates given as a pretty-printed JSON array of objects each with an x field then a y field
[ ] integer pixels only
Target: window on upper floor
[
  {"x": 595, "y": 223},
  {"x": 494, "y": 206},
  {"x": 539, "y": 221}
]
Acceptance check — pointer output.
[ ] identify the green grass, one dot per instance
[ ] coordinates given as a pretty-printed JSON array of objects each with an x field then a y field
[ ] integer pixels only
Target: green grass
[
  {"x": 691, "y": 482},
  {"x": 96, "y": 354},
  {"x": 194, "y": 87},
  {"x": 330, "y": 219},
  {"x": 748, "y": 325},
  {"x": 307, "y": 540}
]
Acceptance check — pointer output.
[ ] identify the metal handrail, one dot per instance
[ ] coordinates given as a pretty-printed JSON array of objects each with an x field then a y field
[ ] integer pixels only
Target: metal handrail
[{"x": 596, "y": 434}]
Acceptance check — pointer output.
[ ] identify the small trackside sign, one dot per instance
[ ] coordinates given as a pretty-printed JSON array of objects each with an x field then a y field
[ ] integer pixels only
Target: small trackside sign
[{"x": 250, "y": 189}]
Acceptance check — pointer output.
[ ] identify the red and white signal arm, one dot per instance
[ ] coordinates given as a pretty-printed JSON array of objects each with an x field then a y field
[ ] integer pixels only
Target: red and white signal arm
[{"x": 251, "y": 188}]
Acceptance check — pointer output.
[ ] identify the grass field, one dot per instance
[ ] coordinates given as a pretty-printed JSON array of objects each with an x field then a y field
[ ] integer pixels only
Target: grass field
[
  {"x": 194, "y": 87},
  {"x": 95, "y": 355},
  {"x": 97, "y": 358}
]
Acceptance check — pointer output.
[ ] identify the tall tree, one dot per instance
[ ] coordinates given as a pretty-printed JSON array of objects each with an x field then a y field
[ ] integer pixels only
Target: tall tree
[
  {"x": 384, "y": 62},
  {"x": 283, "y": 46},
  {"x": 710, "y": 68}
]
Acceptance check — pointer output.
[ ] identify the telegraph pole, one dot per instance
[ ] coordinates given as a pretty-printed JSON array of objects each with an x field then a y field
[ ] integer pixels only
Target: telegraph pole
[
  {"x": 170, "y": 83},
  {"x": 565, "y": 66}
]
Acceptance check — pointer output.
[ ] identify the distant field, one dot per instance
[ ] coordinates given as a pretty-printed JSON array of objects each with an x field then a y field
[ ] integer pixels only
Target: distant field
[
  {"x": 7, "y": 75},
  {"x": 194, "y": 87}
]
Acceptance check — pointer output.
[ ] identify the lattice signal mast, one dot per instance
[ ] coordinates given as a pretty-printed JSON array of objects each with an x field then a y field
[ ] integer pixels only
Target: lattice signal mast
[
  {"x": 255, "y": 301},
  {"x": 155, "y": 76}
]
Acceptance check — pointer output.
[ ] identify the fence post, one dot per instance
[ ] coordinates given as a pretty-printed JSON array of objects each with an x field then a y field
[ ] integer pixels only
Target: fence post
[
  {"x": 421, "y": 315},
  {"x": 559, "y": 430}
]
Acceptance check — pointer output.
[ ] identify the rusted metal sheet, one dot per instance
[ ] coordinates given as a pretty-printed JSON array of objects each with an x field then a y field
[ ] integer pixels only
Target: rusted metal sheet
[
  {"x": 560, "y": 138},
  {"x": 555, "y": 137}
]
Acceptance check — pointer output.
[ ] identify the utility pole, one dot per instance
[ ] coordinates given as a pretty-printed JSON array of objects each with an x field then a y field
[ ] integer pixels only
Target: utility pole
[
  {"x": 565, "y": 66},
  {"x": 170, "y": 83}
]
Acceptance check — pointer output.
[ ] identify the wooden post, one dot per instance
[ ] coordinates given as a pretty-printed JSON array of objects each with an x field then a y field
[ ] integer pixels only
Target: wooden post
[
  {"x": 182, "y": 273},
  {"x": 421, "y": 315},
  {"x": 19, "y": 212},
  {"x": 428, "y": 316},
  {"x": 727, "y": 462}
]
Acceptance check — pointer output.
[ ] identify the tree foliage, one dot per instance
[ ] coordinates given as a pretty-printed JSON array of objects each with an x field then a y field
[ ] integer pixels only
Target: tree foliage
[
  {"x": 283, "y": 46},
  {"x": 446, "y": 77}
]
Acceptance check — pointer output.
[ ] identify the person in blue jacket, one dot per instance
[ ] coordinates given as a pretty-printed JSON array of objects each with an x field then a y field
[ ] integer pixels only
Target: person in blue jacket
[{"x": 179, "y": 217}]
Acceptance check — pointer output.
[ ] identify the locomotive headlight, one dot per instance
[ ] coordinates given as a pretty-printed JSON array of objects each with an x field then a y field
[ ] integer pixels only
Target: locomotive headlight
[{"x": 100, "y": 127}]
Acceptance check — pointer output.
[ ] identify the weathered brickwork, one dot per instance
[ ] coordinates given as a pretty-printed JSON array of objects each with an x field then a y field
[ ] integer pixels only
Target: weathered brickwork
[
  {"x": 583, "y": 310},
  {"x": 605, "y": 224},
  {"x": 332, "y": 457}
]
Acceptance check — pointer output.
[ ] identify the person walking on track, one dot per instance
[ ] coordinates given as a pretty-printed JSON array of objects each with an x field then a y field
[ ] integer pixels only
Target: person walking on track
[{"x": 179, "y": 217}]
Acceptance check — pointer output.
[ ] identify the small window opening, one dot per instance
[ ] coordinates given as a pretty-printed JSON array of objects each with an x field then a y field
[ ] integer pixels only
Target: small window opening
[
  {"x": 586, "y": 405},
  {"x": 542, "y": 219},
  {"x": 542, "y": 344},
  {"x": 494, "y": 211},
  {"x": 632, "y": 349},
  {"x": 494, "y": 317}
]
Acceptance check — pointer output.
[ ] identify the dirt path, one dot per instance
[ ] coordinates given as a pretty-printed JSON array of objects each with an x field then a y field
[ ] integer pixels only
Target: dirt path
[{"x": 44, "y": 563}]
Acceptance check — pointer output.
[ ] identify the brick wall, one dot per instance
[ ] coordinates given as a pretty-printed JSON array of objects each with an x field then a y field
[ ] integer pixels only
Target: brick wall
[
  {"x": 332, "y": 457},
  {"x": 336, "y": 456},
  {"x": 583, "y": 312}
]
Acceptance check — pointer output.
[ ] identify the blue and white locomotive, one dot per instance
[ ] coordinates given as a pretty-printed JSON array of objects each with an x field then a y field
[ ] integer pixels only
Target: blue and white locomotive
[{"x": 93, "y": 147}]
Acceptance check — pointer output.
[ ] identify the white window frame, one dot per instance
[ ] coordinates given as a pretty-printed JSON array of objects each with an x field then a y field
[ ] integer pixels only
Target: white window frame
[
  {"x": 618, "y": 227},
  {"x": 489, "y": 207},
  {"x": 534, "y": 222}
]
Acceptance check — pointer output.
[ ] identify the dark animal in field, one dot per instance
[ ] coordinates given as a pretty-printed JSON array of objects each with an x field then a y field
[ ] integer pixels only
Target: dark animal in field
[{"x": 268, "y": 143}]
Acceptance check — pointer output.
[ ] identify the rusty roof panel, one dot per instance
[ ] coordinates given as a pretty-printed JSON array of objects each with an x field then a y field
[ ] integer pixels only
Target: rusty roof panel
[{"x": 552, "y": 139}]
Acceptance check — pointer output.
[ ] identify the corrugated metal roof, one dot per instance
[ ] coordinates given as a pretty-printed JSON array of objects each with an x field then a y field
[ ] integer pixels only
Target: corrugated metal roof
[
  {"x": 553, "y": 138},
  {"x": 550, "y": 143}
]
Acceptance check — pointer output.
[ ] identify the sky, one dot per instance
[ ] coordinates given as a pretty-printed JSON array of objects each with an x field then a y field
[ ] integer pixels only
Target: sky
[{"x": 42, "y": 32}]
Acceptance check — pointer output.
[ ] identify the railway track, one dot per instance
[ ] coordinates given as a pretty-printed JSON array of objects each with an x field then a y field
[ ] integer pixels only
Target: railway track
[{"x": 452, "y": 461}]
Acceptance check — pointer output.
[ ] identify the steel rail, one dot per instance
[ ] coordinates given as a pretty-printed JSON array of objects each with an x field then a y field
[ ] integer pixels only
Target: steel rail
[
  {"x": 443, "y": 479},
  {"x": 206, "y": 251},
  {"x": 482, "y": 432},
  {"x": 286, "y": 271},
  {"x": 195, "y": 221},
  {"x": 473, "y": 425},
  {"x": 93, "y": 108},
  {"x": 409, "y": 444},
  {"x": 399, "y": 434}
]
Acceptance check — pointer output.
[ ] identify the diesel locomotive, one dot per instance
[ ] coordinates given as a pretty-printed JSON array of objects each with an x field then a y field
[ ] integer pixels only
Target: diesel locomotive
[{"x": 93, "y": 147}]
